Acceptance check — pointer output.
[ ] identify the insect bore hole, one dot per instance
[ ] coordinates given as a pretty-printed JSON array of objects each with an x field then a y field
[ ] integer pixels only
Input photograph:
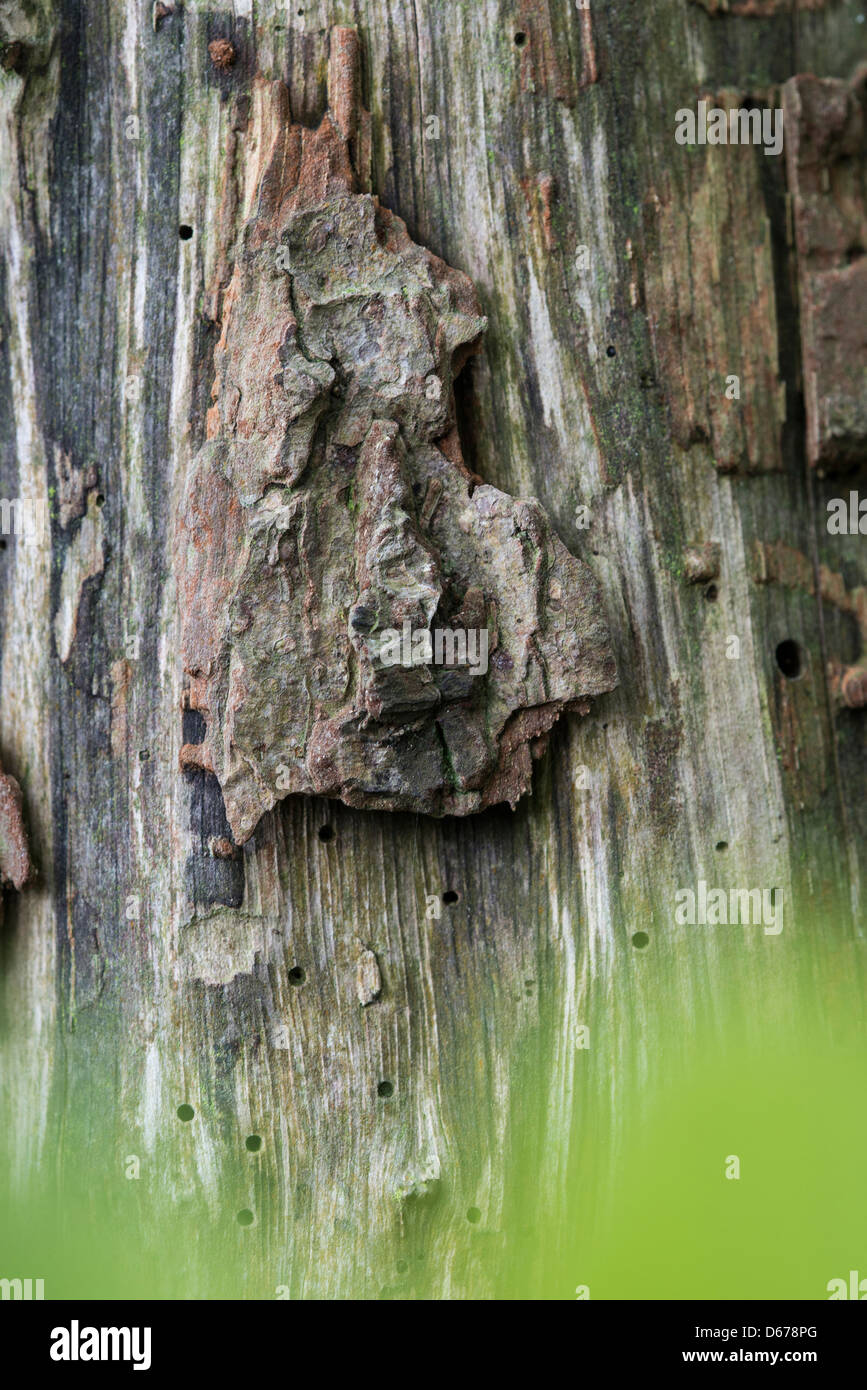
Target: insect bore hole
[{"x": 790, "y": 659}]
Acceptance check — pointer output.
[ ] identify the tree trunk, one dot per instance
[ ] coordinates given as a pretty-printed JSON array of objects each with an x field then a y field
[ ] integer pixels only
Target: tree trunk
[{"x": 439, "y": 1030}]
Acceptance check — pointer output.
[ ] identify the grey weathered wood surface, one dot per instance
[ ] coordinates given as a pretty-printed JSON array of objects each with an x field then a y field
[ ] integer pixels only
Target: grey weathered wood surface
[{"x": 561, "y": 139}]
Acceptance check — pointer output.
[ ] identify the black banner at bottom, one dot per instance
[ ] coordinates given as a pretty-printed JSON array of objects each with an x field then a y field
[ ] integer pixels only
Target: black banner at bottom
[{"x": 82, "y": 1338}]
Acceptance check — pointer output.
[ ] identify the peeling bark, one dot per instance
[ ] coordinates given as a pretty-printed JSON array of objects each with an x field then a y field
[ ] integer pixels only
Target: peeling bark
[
  {"x": 15, "y": 865},
  {"x": 826, "y": 152},
  {"x": 325, "y": 518}
]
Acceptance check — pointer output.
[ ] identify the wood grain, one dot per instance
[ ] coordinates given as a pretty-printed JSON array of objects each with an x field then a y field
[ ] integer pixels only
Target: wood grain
[{"x": 140, "y": 971}]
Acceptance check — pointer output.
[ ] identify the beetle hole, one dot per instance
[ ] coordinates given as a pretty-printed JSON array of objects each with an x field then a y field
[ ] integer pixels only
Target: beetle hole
[
  {"x": 520, "y": 39},
  {"x": 711, "y": 593},
  {"x": 721, "y": 845},
  {"x": 326, "y": 833},
  {"x": 450, "y": 897},
  {"x": 296, "y": 975},
  {"x": 790, "y": 659},
  {"x": 640, "y": 939},
  {"x": 253, "y": 1143},
  {"x": 385, "y": 1089},
  {"x": 185, "y": 231}
]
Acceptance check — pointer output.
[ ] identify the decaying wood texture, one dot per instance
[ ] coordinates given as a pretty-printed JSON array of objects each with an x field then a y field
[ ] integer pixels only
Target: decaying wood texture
[{"x": 366, "y": 991}]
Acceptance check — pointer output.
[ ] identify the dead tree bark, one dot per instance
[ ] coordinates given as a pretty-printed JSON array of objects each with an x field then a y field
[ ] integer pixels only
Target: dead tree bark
[{"x": 391, "y": 1003}]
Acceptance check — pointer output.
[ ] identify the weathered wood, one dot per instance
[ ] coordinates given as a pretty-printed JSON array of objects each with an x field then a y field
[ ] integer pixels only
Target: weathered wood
[{"x": 401, "y": 1100}]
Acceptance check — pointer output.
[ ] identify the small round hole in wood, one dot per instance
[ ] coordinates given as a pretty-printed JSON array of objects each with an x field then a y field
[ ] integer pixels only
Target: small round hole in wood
[{"x": 790, "y": 659}]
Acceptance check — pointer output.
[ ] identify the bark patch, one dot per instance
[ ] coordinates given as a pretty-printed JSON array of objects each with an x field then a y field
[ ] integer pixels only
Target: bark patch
[{"x": 330, "y": 512}]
